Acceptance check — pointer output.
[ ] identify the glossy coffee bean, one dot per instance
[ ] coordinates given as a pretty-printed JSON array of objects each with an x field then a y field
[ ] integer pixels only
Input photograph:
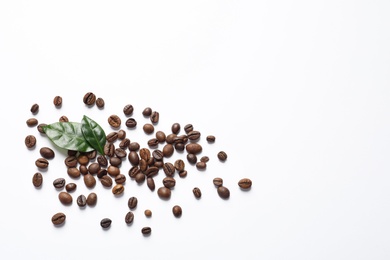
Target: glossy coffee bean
[
  {"x": 34, "y": 108},
  {"x": 42, "y": 163},
  {"x": 91, "y": 199},
  {"x": 210, "y": 138},
  {"x": 175, "y": 128},
  {"x": 37, "y": 179},
  {"x": 114, "y": 121},
  {"x": 118, "y": 189},
  {"x": 128, "y": 109},
  {"x": 100, "y": 102},
  {"x": 47, "y": 153},
  {"x": 194, "y": 148},
  {"x": 147, "y": 112},
  {"x": 70, "y": 187},
  {"x": 129, "y": 218},
  {"x": 59, "y": 183},
  {"x": 177, "y": 211},
  {"x": 148, "y": 128},
  {"x": 131, "y": 123},
  {"x": 245, "y": 183},
  {"x": 197, "y": 192},
  {"x": 164, "y": 192},
  {"x": 106, "y": 181},
  {"x": 218, "y": 182},
  {"x": 81, "y": 201},
  {"x": 89, "y": 180},
  {"x": 32, "y": 122},
  {"x": 223, "y": 192},
  {"x": 65, "y": 198},
  {"x": 169, "y": 182},
  {"x": 89, "y": 98},
  {"x": 132, "y": 202},
  {"x": 150, "y": 183},
  {"x": 58, "y": 218},
  {"x": 188, "y": 128},
  {"x": 105, "y": 223},
  {"x": 146, "y": 231},
  {"x": 30, "y": 141},
  {"x": 222, "y": 156}
]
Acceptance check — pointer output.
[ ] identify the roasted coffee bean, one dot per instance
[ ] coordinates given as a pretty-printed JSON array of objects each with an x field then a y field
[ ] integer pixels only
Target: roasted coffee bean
[
  {"x": 115, "y": 161},
  {"x": 144, "y": 153},
  {"x": 164, "y": 192},
  {"x": 218, "y": 181},
  {"x": 34, "y": 109},
  {"x": 92, "y": 199},
  {"x": 120, "y": 153},
  {"x": 42, "y": 163},
  {"x": 194, "y": 135},
  {"x": 118, "y": 189},
  {"x": 188, "y": 128},
  {"x": 153, "y": 142},
  {"x": 70, "y": 187},
  {"x": 134, "y": 171},
  {"x": 73, "y": 172},
  {"x": 155, "y": 117},
  {"x": 146, "y": 231},
  {"x": 210, "y": 138},
  {"x": 160, "y": 136},
  {"x": 175, "y": 128},
  {"x": 132, "y": 202},
  {"x": 121, "y": 134},
  {"x": 192, "y": 158},
  {"x": 151, "y": 161},
  {"x": 151, "y": 171},
  {"x": 177, "y": 211},
  {"x": 37, "y": 179},
  {"x": 100, "y": 102},
  {"x": 194, "y": 148},
  {"x": 147, "y": 112},
  {"x": 168, "y": 150},
  {"x": 101, "y": 173},
  {"x": 129, "y": 218},
  {"x": 120, "y": 179},
  {"x": 59, "y": 183},
  {"x": 183, "y": 174},
  {"x": 157, "y": 155},
  {"x": 169, "y": 169},
  {"x": 112, "y": 137},
  {"x": 133, "y": 158},
  {"x": 197, "y": 193},
  {"x": 89, "y": 180},
  {"x": 63, "y": 119},
  {"x": 65, "y": 198},
  {"x": 106, "y": 181},
  {"x": 71, "y": 161},
  {"x": 40, "y": 128},
  {"x": 128, "y": 109},
  {"x": 102, "y": 161},
  {"x": 158, "y": 164},
  {"x": 180, "y": 139},
  {"x": 57, "y": 101},
  {"x": 148, "y": 128},
  {"x": 134, "y": 146},
  {"x": 223, "y": 192},
  {"x": 91, "y": 155},
  {"x": 222, "y": 156},
  {"x": 58, "y": 218},
  {"x": 150, "y": 183},
  {"x": 143, "y": 165},
  {"x": 30, "y": 141},
  {"x": 114, "y": 121},
  {"x": 46, "y": 153},
  {"x": 169, "y": 182},
  {"x": 113, "y": 171},
  {"x": 170, "y": 138},
  {"x": 81, "y": 201},
  {"x": 83, "y": 169},
  {"x": 32, "y": 122},
  {"x": 205, "y": 159},
  {"x": 89, "y": 98},
  {"x": 131, "y": 123},
  {"x": 201, "y": 165},
  {"x": 179, "y": 147},
  {"x": 94, "y": 168},
  {"x": 83, "y": 159},
  {"x": 124, "y": 144},
  {"x": 179, "y": 165},
  {"x": 148, "y": 213},
  {"x": 140, "y": 178},
  {"x": 245, "y": 183},
  {"x": 109, "y": 149},
  {"x": 105, "y": 223}
]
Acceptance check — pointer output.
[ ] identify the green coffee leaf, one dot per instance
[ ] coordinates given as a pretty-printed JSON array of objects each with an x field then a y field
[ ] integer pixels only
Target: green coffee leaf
[
  {"x": 67, "y": 135},
  {"x": 93, "y": 134}
]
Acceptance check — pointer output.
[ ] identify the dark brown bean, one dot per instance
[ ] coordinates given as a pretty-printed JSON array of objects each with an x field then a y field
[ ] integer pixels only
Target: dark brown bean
[
  {"x": 201, "y": 165},
  {"x": 58, "y": 218},
  {"x": 179, "y": 165},
  {"x": 164, "y": 192},
  {"x": 131, "y": 123},
  {"x": 175, "y": 128},
  {"x": 155, "y": 117},
  {"x": 89, "y": 180},
  {"x": 146, "y": 231},
  {"x": 160, "y": 136},
  {"x": 218, "y": 182},
  {"x": 32, "y": 122},
  {"x": 65, "y": 198},
  {"x": 89, "y": 98},
  {"x": 73, "y": 172},
  {"x": 210, "y": 138},
  {"x": 106, "y": 181},
  {"x": 132, "y": 202},
  {"x": 112, "y": 137},
  {"x": 59, "y": 183},
  {"x": 192, "y": 158},
  {"x": 129, "y": 218},
  {"x": 114, "y": 121},
  {"x": 100, "y": 102},
  {"x": 194, "y": 148},
  {"x": 223, "y": 192},
  {"x": 150, "y": 183},
  {"x": 188, "y": 128},
  {"x": 30, "y": 141},
  {"x": 245, "y": 183},
  {"x": 169, "y": 169},
  {"x": 34, "y": 108},
  {"x": 92, "y": 199},
  {"x": 47, "y": 153},
  {"x": 169, "y": 182},
  {"x": 120, "y": 179},
  {"x": 57, "y": 101},
  {"x": 81, "y": 201},
  {"x": 148, "y": 128},
  {"x": 222, "y": 156},
  {"x": 197, "y": 192},
  {"x": 42, "y": 163},
  {"x": 70, "y": 187},
  {"x": 128, "y": 109},
  {"x": 177, "y": 211},
  {"x": 147, "y": 112},
  {"x": 37, "y": 179},
  {"x": 118, "y": 189}
]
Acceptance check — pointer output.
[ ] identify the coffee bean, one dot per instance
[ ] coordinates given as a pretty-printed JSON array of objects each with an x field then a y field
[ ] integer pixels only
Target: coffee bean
[
  {"x": 205, "y": 159},
  {"x": 42, "y": 163},
  {"x": 158, "y": 155},
  {"x": 105, "y": 223},
  {"x": 218, "y": 182},
  {"x": 71, "y": 161},
  {"x": 92, "y": 199},
  {"x": 114, "y": 121},
  {"x": 100, "y": 102},
  {"x": 58, "y": 218},
  {"x": 83, "y": 169},
  {"x": 201, "y": 165},
  {"x": 101, "y": 173},
  {"x": 197, "y": 192},
  {"x": 120, "y": 179},
  {"x": 140, "y": 178},
  {"x": 94, "y": 168},
  {"x": 168, "y": 150},
  {"x": 222, "y": 156},
  {"x": 245, "y": 183},
  {"x": 175, "y": 128},
  {"x": 131, "y": 123},
  {"x": 194, "y": 148},
  {"x": 34, "y": 109},
  {"x": 169, "y": 182},
  {"x": 65, "y": 198},
  {"x": 124, "y": 144},
  {"x": 183, "y": 173},
  {"x": 170, "y": 138},
  {"x": 155, "y": 117},
  {"x": 169, "y": 169},
  {"x": 47, "y": 153},
  {"x": 121, "y": 134},
  {"x": 152, "y": 171},
  {"x": 89, "y": 98},
  {"x": 32, "y": 122},
  {"x": 179, "y": 165},
  {"x": 223, "y": 192},
  {"x": 160, "y": 136},
  {"x": 210, "y": 138},
  {"x": 37, "y": 179},
  {"x": 132, "y": 202},
  {"x": 147, "y": 112},
  {"x": 164, "y": 192},
  {"x": 191, "y": 158},
  {"x": 118, "y": 189},
  {"x": 143, "y": 165},
  {"x": 134, "y": 171},
  {"x": 70, "y": 187},
  {"x": 83, "y": 159},
  {"x": 73, "y": 172},
  {"x": 177, "y": 211},
  {"x": 30, "y": 141},
  {"x": 59, "y": 183},
  {"x": 134, "y": 146},
  {"x": 148, "y": 128},
  {"x": 150, "y": 183},
  {"x": 109, "y": 149},
  {"x": 40, "y": 128},
  {"x": 112, "y": 137},
  {"x": 148, "y": 213},
  {"x": 153, "y": 142},
  {"x": 146, "y": 230},
  {"x": 133, "y": 158},
  {"x": 194, "y": 135},
  {"x": 188, "y": 128},
  {"x": 144, "y": 153},
  {"x": 106, "y": 181},
  {"x": 120, "y": 153},
  {"x": 128, "y": 109},
  {"x": 158, "y": 164},
  {"x": 57, "y": 101},
  {"x": 179, "y": 147},
  {"x": 63, "y": 119},
  {"x": 129, "y": 218},
  {"x": 89, "y": 180},
  {"x": 81, "y": 201}
]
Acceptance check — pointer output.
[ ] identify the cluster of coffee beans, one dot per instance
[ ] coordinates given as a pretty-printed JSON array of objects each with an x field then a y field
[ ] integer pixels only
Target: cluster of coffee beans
[{"x": 146, "y": 162}]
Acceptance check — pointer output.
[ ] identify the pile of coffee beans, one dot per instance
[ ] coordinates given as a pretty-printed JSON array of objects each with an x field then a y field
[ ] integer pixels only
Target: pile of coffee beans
[{"x": 146, "y": 162}]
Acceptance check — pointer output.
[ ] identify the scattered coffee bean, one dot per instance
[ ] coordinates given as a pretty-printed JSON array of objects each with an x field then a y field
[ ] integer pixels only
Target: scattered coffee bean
[
  {"x": 161, "y": 137},
  {"x": 188, "y": 128},
  {"x": 112, "y": 137},
  {"x": 158, "y": 155},
  {"x": 63, "y": 119},
  {"x": 197, "y": 192},
  {"x": 169, "y": 169},
  {"x": 47, "y": 153},
  {"x": 113, "y": 171},
  {"x": 164, "y": 192},
  {"x": 191, "y": 158},
  {"x": 65, "y": 198},
  {"x": 177, "y": 211},
  {"x": 148, "y": 128},
  {"x": 57, "y": 101},
  {"x": 70, "y": 187},
  {"x": 91, "y": 199},
  {"x": 146, "y": 230},
  {"x": 205, "y": 159},
  {"x": 148, "y": 213},
  {"x": 42, "y": 163},
  {"x": 109, "y": 149},
  {"x": 105, "y": 223},
  {"x": 150, "y": 183},
  {"x": 210, "y": 138},
  {"x": 106, "y": 181},
  {"x": 30, "y": 141},
  {"x": 71, "y": 161},
  {"x": 124, "y": 144},
  {"x": 121, "y": 134},
  {"x": 101, "y": 173},
  {"x": 132, "y": 202},
  {"x": 175, "y": 128},
  {"x": 201, "y": 165},
  {"x": 73, "y": 172},
  {"x": 194, "y": 148},
  {"x": 114, "y": 121},
  {"x": 32, "y": 122},
  {"x": 169, "y": 182},
  {"x": 245, "y": 183},
  {"x": 40, "y": 128},
  {"x": 118, "y": 189},
  {"x": 120, "y": 178},
  {"x": 58, "y": 218},
  {"x": 34, "y": 109},
  {"x": 147, "y": 112},
  {"x": 37, "y": 179},
  {"x": 131, "y": 123},
  {"x": 222, "y": 156},
  {"x": 100, "y": 102},
  {"x": 153, "y": 142},
  {"x": 129, "y": 218},
  {"x": 59, "y": 183},
  {"x": 194, "y": 135},
  {"x": 168, "y": 150},
  {"x": 179, "y": 165},
  {"x": 155, "y": 117},
  {"x": 144, "y": 153},
  {"x": 81, "y": 201},
  {"x": 133, "y": 158},
  {"x": 89, "y": 180},
  {"x": 183, "y": 173},
  {"x": 89, "y": 98},
  {"x": 120, "y": 153},
  {"x": 128, "y": 110},
  {"x": 223, "y": 192},
  {"x": 140, "y": 177}
]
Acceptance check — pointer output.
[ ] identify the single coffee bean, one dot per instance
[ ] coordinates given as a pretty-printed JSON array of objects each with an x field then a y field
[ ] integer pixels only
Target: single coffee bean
[
  {"x": 222, "y": 156},
  {"x": 140, "y": 178},
  {"x": 83, "y": 159},
  {"x": 91, "y": 155},
  {"x": 164, "y": 192},
  {"x": 131, "y": 123},
  {"x": 134, "y": 146},
  {"x": 106, "y": 181},
  {"x": 188, "y": 128},
  {"x": 120, "y": 179},
  {"x": 183, "y": 173},
  {"x": 118, "y": 189},
  {"x": 89, "y": 98},
  {"x": 210, "y": 138},
  {"x": 59, "y": 183},
  {"x": 133, "y": 158},
  {"x": 168, "y": 150},
  {"x": 100, "y": 102},
  {"x": 147, "y": 112},
  {"x": 115, "y": 161},
  {"x": 170, "y": 138},
  {"x": 70, "y": 187},
  {"x": 47, "y": 153},
  {"x": 160, "y": 136},
  {"x": 177, "y": 211},
  {"x": 120, "y": 153},
  {"x": 158, "y": 164},
  {"x": 101, "y": 173},
  {"x": 83, "y": 169},
  {"x": 169, "y": 182},
  {"x": 58, "y": 218},
  {"x": 37, "y": 179},
  {"x": 148, "y": 213},
  {"x": 153, "y": 142},
  {"x": 144, "y": 153},
  {"x": 65, "y": 198},
  {"x": 143, "y": 165},
  {"x": 146, "y": 231},
  {"x": 148, "y": 128},
  {"x": 63, "y": 119},
  {"x": 180, "y": 139},
  {"x": 124, "y": 144},
  {"x": 218, "y": 182},
  {"x": 152, "y": 171},
  {"x": 34, "y": 109},
  {"x": 223, "y": 192},
  {"x": 194, "y": 135},
  {"x": 132, "y": 202},
  {"x": 114, "y": 121},
  {"x": 109, "y": 149},
  {"x": 158, "y": 155},
  {"x": 91, "y": 199},
  {"x": 121, "y": 134},
  {"x": 30, "y": 141},
  {"x": 179, "y": 165},
  {"x": 57, "y": 101},
  {"x": 128, "y": 109},
  {"x": 81, "y": 201},
  {"x": 42, "y": 163},
  {"x": 134, "y": 171},
  {"x": 192, "y": 158},
  {"x": 179, "y": 147},
  {"x": 175, "y": 128},
  {"x": 204, "y": 159},
  {"x": 197, "y": 192},
  {"x": 194, "y": 148},
  {"x": 150, "y": 183},
  {"x": 105, "y": 223},
  {"x": 155, "y": 117},
  {"x": 40, "y": 128},
  {"x": 71, "y": 161},
  {"x": 73, "y": 172},
  {"x": 89, "y": 180},
  {"x": 112, "y": 137},
  {"x": 102, "y": 161},
  {"x": 245, "y": 183},
  {"x": 169, "y": 169},
  {"x": 32, "y": 122},
  {"x": 129, "y": 218},
  {"x": 201, "y": 165}
]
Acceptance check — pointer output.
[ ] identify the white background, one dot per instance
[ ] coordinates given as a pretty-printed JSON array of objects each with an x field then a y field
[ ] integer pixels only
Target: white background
[{"x": 296, "y": 92}]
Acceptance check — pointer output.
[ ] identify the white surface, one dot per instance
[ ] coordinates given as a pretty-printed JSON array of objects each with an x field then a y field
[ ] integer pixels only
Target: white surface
[{"x": 296, "y": 92}]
